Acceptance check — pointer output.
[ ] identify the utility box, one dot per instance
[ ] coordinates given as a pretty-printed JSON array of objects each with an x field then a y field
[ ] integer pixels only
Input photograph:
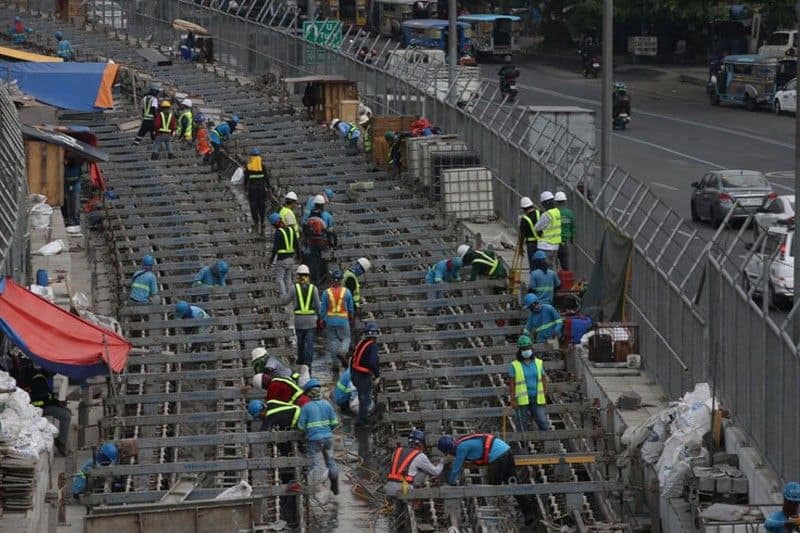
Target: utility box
[{"x": 550, "y": 121}]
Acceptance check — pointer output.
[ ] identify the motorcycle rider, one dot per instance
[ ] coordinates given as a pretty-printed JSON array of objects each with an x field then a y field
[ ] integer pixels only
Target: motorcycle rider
[
  {"x": 507, "y": 72},
  {"x": 621, "y": 100},
  {"x": 589, "y": 51}
]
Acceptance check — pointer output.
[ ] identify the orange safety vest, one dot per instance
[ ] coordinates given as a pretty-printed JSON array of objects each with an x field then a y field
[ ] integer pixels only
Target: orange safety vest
[
  {"x": 361, "y": 348},
  {"x": 336, "y": 302},
  {"x": 203, "y": 146},
  {"x": 401, "y": 460},
  {"x": 487, "y": 446}
]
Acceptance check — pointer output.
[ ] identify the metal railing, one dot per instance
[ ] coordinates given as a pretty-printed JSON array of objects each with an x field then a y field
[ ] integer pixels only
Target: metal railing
[{"x": 14, "y": 240}]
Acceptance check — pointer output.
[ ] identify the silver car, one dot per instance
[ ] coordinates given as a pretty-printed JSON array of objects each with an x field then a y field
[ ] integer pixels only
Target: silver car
[
  {"x": 774, "y": 211},
  {"x": 717, "y": 192}
]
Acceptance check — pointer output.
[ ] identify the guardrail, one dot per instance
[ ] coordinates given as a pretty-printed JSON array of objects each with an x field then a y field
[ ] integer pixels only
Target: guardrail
[{"x": 14, "y": 241}]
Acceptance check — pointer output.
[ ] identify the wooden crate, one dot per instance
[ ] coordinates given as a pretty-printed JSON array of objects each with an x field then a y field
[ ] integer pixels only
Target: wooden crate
[
  {"x": 329, "y": 94},
  {"x": 383, "y": 123},
  {"x": 348, "y": 111},
  {"x": 380, "y": 151},
  {"x": 45, "y": 167}
]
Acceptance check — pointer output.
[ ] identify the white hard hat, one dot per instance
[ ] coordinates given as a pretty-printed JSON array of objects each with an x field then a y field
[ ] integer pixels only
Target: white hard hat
[
  {"x": 363, "y": 119},
  {"x": 186, "y": 102},
  {"x": 561, "y": 197},
  {"x": 333, "y": 122},
  {"x": 545, "y": 196},
  {"x": 258, "y": 353},
  {"x": 462, "y": 250},
  {"x": 365, "y": 264},
  {"x": 303, "y": 269},
  {"x": 319, "y": 199},
  {"x": 258, "y": 381},
  {"x": 525, "y": 202},
  {"x": 291, "y": 195}
]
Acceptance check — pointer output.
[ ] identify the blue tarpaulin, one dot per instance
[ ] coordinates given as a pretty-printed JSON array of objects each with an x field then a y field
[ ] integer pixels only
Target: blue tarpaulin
[{"x": 75, "y": 86}]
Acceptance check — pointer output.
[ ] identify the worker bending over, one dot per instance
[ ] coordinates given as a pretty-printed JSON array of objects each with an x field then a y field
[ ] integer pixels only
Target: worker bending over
[
  {"x": 143, "y": 283},
  {"x": 544, "y": 322},
  {"x": 483, "y": 264},
  {"x": 410, "y": 467}
]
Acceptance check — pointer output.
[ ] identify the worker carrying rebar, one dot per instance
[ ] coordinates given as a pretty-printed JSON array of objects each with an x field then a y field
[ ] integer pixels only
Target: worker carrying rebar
[
  {"x": 543, "y": 282},
  {"x": 527, "y": 386},
  {"x": 144, "y": 287},
  {"x": 287, "y": 212},
  {"x": 482, "y": 449},
  {"x": 149, "y": 108},
  {"x": 527, "y": 234},
  {"x": 409, "y": 467},
  {"x": 788, "y": 518},
  {"x": 64, "y": 48},
  {"x": 317, "y": 420},
  {"x": 256, "y": 183},
  {"x": 352, "y": 280},
  {"x": 305, "y": 300},
  {"x": 327, "y": 195},
  {"x": 482, "y": 264},
  {"x": 349, "y": 132},
  {"x": 544, "y": 321},
  {"x": 164, "y": 126},
  {"x": 336, "y": 311},
  {"x": 211, "y": 275},
  {"x": 548, "y": 227},
  {"x": 567, "y": 230},
  {"x": 221, "y": 133},
  {"x": 365, "y": 370},
  {"x": 107, "y": 455},
  {"x": 185, "y": 130},
  {"x": 284, "y": 253}
]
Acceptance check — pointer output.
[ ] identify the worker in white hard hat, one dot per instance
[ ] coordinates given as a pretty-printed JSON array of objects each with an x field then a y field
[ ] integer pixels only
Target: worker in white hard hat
[
  {"x": 258, "y": 359},
  {"x": 365, "y": 123},
  {"x": 349, "y": 132},
  {"x": 287, "y": 213},
  {"x": 318, "y": 237},
  {"x": 567, "y": 229},
  {"x": 185, "y": 131},
  {"x": 305, "y": 301},
  {"x": 351, "y": 279},
  {"x": 548, "y": 228},
  {"x": 482, "y": 263},
  {"x": 527, "y": 223}
]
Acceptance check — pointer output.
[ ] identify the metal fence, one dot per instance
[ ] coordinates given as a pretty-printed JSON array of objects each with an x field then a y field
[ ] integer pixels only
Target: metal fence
[{"x": 14, "y": 241}]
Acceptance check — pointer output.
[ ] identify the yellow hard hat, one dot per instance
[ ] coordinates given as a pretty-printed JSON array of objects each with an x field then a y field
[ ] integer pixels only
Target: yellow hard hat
[{"x": 166, "y": 103}]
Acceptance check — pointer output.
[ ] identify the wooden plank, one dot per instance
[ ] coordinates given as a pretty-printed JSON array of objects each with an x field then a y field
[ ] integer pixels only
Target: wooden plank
[{"x": 45, "y": 170}]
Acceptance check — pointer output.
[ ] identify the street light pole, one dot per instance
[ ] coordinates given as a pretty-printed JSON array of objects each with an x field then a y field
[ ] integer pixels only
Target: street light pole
[
  {"x": 452, "y": 44},
  {"x": 795, "y": 334},
  {"x": 605, "y": 108}
]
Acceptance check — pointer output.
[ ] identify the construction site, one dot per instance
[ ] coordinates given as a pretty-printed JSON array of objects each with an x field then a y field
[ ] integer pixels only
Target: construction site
[{"x": 193, "y": 459}]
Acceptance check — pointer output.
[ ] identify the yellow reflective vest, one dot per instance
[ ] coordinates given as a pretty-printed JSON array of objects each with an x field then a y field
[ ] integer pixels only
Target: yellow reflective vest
[{"x": 521, "y": 386}]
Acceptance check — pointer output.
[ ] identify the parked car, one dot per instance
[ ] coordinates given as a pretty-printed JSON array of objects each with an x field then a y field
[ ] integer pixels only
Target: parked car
[
  {"x": 778, "y": 248},
  {"x": 774, "y": 211},
  {"x": 780, "y": 43},
  {"x": 786, "y": 98},
  {"x": 717, "y": 192}
]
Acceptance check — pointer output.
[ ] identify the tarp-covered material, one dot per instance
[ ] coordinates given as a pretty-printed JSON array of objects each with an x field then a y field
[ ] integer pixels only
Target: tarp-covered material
[
  {"x": 84, "y": 87},
  {"x": 605, "y": 297},
  {"x": 55, "y": 339},
  {"x": 65, "y": 140}
]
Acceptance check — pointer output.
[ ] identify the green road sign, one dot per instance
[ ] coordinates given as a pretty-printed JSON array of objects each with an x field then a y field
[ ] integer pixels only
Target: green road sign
[{"x": 324, "y": 32}]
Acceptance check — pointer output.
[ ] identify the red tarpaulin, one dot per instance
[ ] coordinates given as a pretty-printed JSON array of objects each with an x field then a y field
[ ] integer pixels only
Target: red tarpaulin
[{"x": 55, "y": 339}]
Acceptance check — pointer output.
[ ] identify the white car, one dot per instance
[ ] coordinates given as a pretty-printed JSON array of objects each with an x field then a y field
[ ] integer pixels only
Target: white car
[
  {"x": 780, "y": 43},
  {"x": 774, "y": 211},
  {"x": 785, "y": 100},
  {"x": 780, "y": 284}
]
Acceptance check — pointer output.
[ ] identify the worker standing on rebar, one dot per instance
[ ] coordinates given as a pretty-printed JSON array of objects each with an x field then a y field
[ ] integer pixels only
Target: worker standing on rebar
[
  {"x": 544, "y": 321},
  {"x": 203, "y": 143},
  {"x": 567, "y": 230},
  {"x": 485, "y": 449},
  {"x": 527, "y": 386},
  {"x": 352, "y": 280},
  {"x": 327, "y": 195},
  {"x": 365, "y": 370},
  {"x": 548, "y": 227},
  {"x": 149, "y": 107},
  {"x": 543, "y": 282},
  {"x": 410, "y": 467},
  {"x": 394, "y": 157},
  {"x": 284, "y": 252},
  {"x": 788, "y": 518},
  {"x": 527, "y": 233},
  {"x": 305, "y": 299},
  {"x": 287, "y": 213},
  {"x": 317, "y": 420},
  {"x": 143, "y": 283},
  {"x": 336, "y": 310},
  {"x": 256, "y": 184},
  {"x": 185, "y": 131},
  {"x": 366, "y": 125},
  {"x": 349, "y": 132},
  {"x": 482, "y": 264},
  {"x": 317, "y": 239},
  {"x": 164, "y": 125}
]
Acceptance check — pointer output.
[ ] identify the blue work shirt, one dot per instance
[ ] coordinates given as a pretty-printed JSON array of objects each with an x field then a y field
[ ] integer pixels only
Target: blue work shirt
[
  {"x": 336, "y": 321},
  {"x": 543, "y": 324},
  {"x": 214, "y": 137},
  {"x": 317, "y": 419},
  {"x": 327, "y": 217},
  {"x": 543, "y": 284},
  {"x": 344, "y": 129},
  {"x": 224, "y": 130},
  {"x": 344, "y": 390},
  {"x": 472, "y": 450},
  {"x": 196, "y": 312},
  {"x": 143, "y": 286},
  {"x": 64, "y": 50},
  {"x": 776, "y": 522},
  {"x": 79, "y": 481},
  {"x": 438, "y": 273},
  {"x": 206, "y": 276},
  {"x": 531, "y": 376}
]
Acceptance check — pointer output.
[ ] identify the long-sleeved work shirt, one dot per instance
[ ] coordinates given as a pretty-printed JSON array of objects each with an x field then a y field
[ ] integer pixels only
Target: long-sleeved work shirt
[
  {"x": 541, "y": 225},
  {"x": 472, "y": 450},
  {"x": 545, "y": 324},
  {"x": 278, "y": 390},
  {"x": 776, "y": 522},
  {"x": 207, "y": 276},
  {"x": 335, "y": 302},
  {"x": 370, "y": 360},
  {"x": 439, "y": 273},
  {"x": 348, "y": 131},
  {"x": 324, "y": 215},
  {"x": 297, "y": 296},
  {"x": 567, "y": 224},
  {"x": 143, "y": 286},
  {"x": 344, "y": 389},
  {"x": 420, "y": 469},
  {"x": 317, "y": 420},
  {"x": 543, "y": 283}
]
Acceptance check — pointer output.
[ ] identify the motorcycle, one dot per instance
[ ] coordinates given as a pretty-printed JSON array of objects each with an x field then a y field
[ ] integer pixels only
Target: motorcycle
[
  {"x": 621, "y": 121},
  {"x": 508, "y": 85},
  {"x": 622, "y": 112}
]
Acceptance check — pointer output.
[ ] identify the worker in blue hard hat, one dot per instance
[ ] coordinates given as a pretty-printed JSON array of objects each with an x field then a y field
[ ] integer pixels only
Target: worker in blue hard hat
[
  {"x": 284, "y": 251},
  {"x": 409, "y": 467},
  {"x": 317, "y": 420},
  {"x": 256, "y": 183},
  {"x": 210, "y": 275},
  {"x": 444, "y": 271},
  {"x": 527, "y": 386},
  {"x": 64, "y": 48},
  {"x": 143, "y": 283},
  {"x": 544, "y": 321},
  {"x": 344, "y": 392},
  {"x": 183, "y": 310},
  {"x": 217, "y": 136},
  {"x": 788, "y": 518},
  {"x": 365, "y": 370},
  {"x": 543, "y": 282},
  {"x": 108, "y": 454},
  {"x": 336, "y": 310},
  {"x": 349, "y": 133}
]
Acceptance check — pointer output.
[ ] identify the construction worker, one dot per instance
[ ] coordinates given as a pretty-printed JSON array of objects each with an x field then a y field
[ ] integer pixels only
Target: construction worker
[
  {"x": 366, "y": 124},
  {"x": 280, "y": 383},
  {"x": 788, "y": 518},
  {"x": 287, "y": 212},
  {"x": 481, "y": 263},
  {"x": 394, "y": 160},
  {"x": 345, "y": 391},
  {"x": 203, "y": 142},
  {"x": 317, "y": 238},
  {"x": 548, "y": 227},
  {"x": 211, "y": 275},
  {"x": 349, "y": 132},
  {"x": 544, "y": 322},
  {"x": 484, "y": 449},
  {"x": 143, "y": 283},
  {"x": 185, "y": 131},
  {"x": 410, "y": 467},
  {"x": 567, "y": 229},
  {"x": 336, "y": 310},
  {"x": 365, "y": 370},
  {"x": 351, "y": 280},
  {"x": 19, "y": 33},
  {"x": 41, "y": 394},
  {"x": 165, "y": 128},
  {"x": 64, "y": 47},
  {"x": 317, "y": 420},
  {"x": 218, "y": 136},
  {"x": 274, "y": 414},
  {"x": 527, "y": 386},
  {"x": 256, "y": 185},
  {"x": 445, "y": 271},
  {"x": 149, "y": 107},
  {"x": 108, "y": 454},
  {"x": 183, "y": 310},
  {"x": 327, "y": 195},
  {"x": 284, "y": 252},
  {"x": 527, "y": 233},
  {"x": 305, "y": 299},
  {"x": 544, "y": 282},
  {"x": 71, "y": 209},
  {"x": 258, "y": 359}
]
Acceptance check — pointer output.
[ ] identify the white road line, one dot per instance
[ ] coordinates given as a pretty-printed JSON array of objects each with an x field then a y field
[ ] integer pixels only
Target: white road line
[
  {"x": 669, "y": 150},
  {"x": 663, "y": 186}
]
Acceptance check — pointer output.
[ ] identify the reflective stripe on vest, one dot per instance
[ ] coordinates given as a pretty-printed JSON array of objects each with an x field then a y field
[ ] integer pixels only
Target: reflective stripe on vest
[
  {"x": 142, "y": 286},
  {"x": 336, "y": 302},
  {"x": 350, "y": 132},
  {"x": 187, "y": 133},
  {"x": 166, "y": 119},
  {"x": 484, "y": 259},
  {"x": 297, "y": 390},
  {"x": 361, "y": 348},
  {"x": 487, "y": 446},
  {"x": 255, "y": 168},
  {"x": 38, "y": 403},
  {"x": 357, "y": 290},
  {"x": 340, "y": 386},
  {"x": 367, "y": 139},
  {"x": 147, "y": 107},
  {"x": 275, "y": 407},
  {"x": 288, "y": 241},
  {"x": 521, "y": 387},
  {"x": 304, "y": 303},
  {"x": 401, "y": 460},
  {"x": 552, "y": 233},
  {"x": 532, "y": 237}
]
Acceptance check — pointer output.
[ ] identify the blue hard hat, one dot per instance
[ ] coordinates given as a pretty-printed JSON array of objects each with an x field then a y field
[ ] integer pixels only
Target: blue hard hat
[
  {"x": 539, "y": 256},
  {"x": 199, "y": 118},
  {"x": 16, "y": 19},
  {"x": 312, "y": 384},
  {"x": 255, "y": 151},
  {"x": 222, "y": 267},
  {"x": 148, "y": 260},
  {"x": 416, "y": 435},
  {"x": 107, "y": 454},
  {"x": 41, "y": 278},
  {"x": 791, "y": 491},
  {"x": 274, "y": 218},
  {"x": 59, "y": 35},
  {"x": 328, "y": 193},
  {"x": 371, "y": 328},
  {"x": 255, "y": 407},
  {"x": 427, "y": 132},
  {"x": 235, "y": 119},
  {"x": 446, "y": 444},
  {"x": 181, "y": 308},
  {"x": 530, "y": 299},
  {"x": 336, "y": 274},
  {"x": 457, "y": 262}
]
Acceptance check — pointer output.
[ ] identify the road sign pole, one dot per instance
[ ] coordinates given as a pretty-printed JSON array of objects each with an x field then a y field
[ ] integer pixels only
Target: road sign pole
[
  {"x": 605, "y": 108},
  {"x": 452, "y": 7},
  {"x": 796, "y": 242}
]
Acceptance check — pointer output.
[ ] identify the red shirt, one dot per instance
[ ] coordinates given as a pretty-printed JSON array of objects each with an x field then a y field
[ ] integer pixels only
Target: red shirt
[{"x": 280, "y": 391}]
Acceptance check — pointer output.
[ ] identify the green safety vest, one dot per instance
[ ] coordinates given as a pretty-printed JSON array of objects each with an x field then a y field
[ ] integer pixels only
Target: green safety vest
[
  {"x": 552, "y": 233},
  {"x": 367, "y": 140},
  {"x": 484, "y": 259},
  {"x": 304, "y": 303},
  {"x": 147, "y": 107},
  {"x": 187, "y": 133},
  {"x": 351, "y": 131},
  {"x": 166, "y": 118},
  {"x": 532, "y": 237},
  {"x": 521, "y": 387},
  {"x": 357, "y": 291},
  {"x": 275, "y": 407},
  {"x": 288, "y": 241}
]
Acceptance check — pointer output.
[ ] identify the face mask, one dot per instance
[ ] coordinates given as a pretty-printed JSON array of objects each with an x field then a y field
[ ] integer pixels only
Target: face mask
[{"x": 527, "y": 354}]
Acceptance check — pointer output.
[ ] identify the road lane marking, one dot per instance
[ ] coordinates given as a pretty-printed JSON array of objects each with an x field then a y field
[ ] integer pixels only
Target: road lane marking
[
  {"x": 664, "y": 186},
  {"x": 669, "y": 150}
]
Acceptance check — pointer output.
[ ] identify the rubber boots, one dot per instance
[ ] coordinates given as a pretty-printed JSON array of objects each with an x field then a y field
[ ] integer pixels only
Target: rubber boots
[
  {"x": 262, "y": 229},
  {"x": 334, "y": 484}
]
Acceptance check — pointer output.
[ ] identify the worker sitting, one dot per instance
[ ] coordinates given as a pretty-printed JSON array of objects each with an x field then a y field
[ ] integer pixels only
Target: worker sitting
[
  {"x": 64, "y": 48},
  {"x": 317, "y": 420},
  {"x": 483, "y": 264},
  {"x": 482, "y": 449},
  {"x": 788, "y": 518},
  {"x": 349, "y": 132},
  {"x": 108, "y": 454},
  {"x": 143, "y": 283},
  {"x": 41, "y": 393},
  {"x": 544, "y": 282},
  {"x": 527, "y": 386},
  {"x": 544, "y": 322},
  {"x": 410, "y": 467}
]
